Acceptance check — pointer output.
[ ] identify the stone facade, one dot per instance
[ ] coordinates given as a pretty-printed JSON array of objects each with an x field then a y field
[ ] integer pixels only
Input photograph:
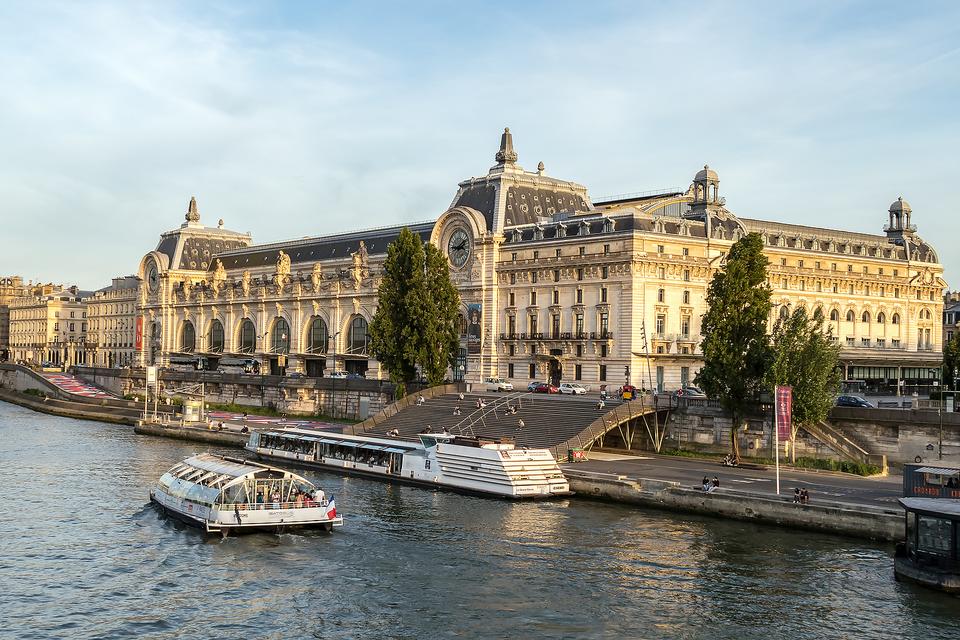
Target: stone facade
[
  {"x": 552, "y": 286},
  {"x": 111, "y": 319},
  {"x": 11, "y": 287},
  {"x": 49, "y": 325}
]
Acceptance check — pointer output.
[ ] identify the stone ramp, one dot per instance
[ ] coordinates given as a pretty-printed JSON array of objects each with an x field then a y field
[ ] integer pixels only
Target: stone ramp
[{"x": 75, "y": 386}]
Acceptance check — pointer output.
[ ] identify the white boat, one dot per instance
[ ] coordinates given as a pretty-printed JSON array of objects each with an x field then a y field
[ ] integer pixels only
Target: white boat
[
  {"x": 460, "y": 463},
  {"x": 224, "y": 495}
]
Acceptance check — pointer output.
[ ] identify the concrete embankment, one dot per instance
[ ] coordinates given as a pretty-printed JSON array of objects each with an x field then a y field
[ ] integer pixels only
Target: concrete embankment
[
  {"x": 66, "y": 408},
  {"x": 863, "y": 521},
  {"x": 195, "y": 434}
]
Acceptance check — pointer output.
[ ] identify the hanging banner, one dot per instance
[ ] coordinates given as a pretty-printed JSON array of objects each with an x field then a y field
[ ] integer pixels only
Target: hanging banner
[
  {"x": 474, "y": 316},
  {"x": 784, "y": 400},
  {"x": 139, "y": 334}
]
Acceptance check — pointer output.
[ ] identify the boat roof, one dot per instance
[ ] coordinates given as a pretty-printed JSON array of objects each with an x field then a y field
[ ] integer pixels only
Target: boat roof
[
  {"x": 943, "y": 506},
  {"x": 325, "y": 437},
  {"x": 224, "y": 471},
  {"x": 940, "y": 471}
]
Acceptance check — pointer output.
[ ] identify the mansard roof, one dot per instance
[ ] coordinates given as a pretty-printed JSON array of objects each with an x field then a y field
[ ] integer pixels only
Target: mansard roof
[{"x": 313, "y": 249}]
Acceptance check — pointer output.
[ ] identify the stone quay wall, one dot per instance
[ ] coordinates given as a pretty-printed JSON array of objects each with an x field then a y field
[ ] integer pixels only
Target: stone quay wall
[
  {"x": 355, "y": 399},
  {"x": 862, "y": 521}
]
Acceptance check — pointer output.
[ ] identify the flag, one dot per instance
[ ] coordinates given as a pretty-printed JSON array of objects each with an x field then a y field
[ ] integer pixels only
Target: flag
[
  {"x": 331, "y": 508},
  {"x": 784, "y": 400}
]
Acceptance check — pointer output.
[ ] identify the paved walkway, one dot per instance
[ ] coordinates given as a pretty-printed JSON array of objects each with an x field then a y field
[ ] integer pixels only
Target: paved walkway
[
  {"x": 271, "y": 421},
  {"x": 77, "y": 387},
  {"x": 689, "y": 472}
]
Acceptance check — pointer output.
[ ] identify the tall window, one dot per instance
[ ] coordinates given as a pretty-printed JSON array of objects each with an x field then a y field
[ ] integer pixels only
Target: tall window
[
  {"x": 579, "y": 296},
  {"x": 216, "y": 337},
  {"x": 248, "y": 337},
  {"x": 317, "y": 337},
  {"x": 280, "y": 336},
  {"x": 661, "y": 324},
  {"x": 604, "y": 324},
  {"x": 532, "y": 324},
  {"x": 188, "y": 340},
  {"x": 555, "y": 325},
  {"x": 603, "y": 294},
  {"x": 579, "y": 323},
  {"x": 511, "y": 324},
  {"x": 686, "y": 297},
  {"x": 358, "y": 338},
  {"x": 661, "y": 295},
  {"x": 685, "y": 326}
]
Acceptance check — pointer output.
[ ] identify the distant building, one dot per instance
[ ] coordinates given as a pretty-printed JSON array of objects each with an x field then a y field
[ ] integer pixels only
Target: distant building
[
  {"x": 553, "y": 286},
  {"x": 111, "y": 320},
  {"x": 49, "y": 324},
  {"x": 10, "y": 287}
]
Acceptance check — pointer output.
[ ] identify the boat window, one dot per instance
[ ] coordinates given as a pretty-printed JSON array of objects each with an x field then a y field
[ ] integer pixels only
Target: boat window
[{"x": 934, "y": 535}]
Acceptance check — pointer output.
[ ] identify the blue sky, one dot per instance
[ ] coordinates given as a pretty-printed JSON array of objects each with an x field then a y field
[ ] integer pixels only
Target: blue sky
[{"x": 293, "y": 119}]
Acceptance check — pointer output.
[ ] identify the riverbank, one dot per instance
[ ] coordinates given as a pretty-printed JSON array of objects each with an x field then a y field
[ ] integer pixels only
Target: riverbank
[
  {"x": 66, "y": 408},
  {"x": 858, "y": 520},
  {"x": 225, "y": 438}
]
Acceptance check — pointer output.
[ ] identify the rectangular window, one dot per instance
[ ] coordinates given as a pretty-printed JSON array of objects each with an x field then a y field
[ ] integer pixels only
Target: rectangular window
[
  {"x": 604, "y": 324},
  {"x": 536, "y": 255},
  {"x": 659, "y": 379},
  {"x": 604, "y": 272},
  {"x": 558, "y": 253},
  {"x": 556, "y": 275},
  {"x": 583, "y": 251},
  {"x": 661, "y": 324},
  {"x": 578, "y": 372},
  {"x": 71, "y": 314},
  {"x": 833, "y": 266},
  {"x": 849, "y": 342},
  {"x": 579, "y": 296},
  {"x": 603, "y": 373},
  {"x": 579, "y": 328},
  {"x": 881, "y": 343},
  {"x": 896, "y": 272},
  {"x": 510, "y": 370},
  {"x": 865, "y": 342},
  {"x": 556, "y": 296},
  {"x": 686, "y": 297},
  {"x": 686, "y": 275},
  {"x": 579, "y": 350},
  {"x": 603, "y": 351},
  {"x": 533, "y": 298},
  {"x": 783, "y": 262},
  {"x": 580, "y": 273},
  {"x": 895, "y": 343},
  {"x": 818, "y": 264},
  {"x": 686, "y": 251},
  {"x": 661, "y": 294},
  {"x": 799, "y": 263},
  {"x": 532, "y": 324},
  {"x": 555, "y": 326},
  {"x": 606, "y": 249},
  {"x": 533, "y": 371},
  {"x": 533, "y": 277},
  {"x": 603, "y": 294},
  {"x": 511, "y": 328},
  {"x": 684, "y": 376},
  {"x": 513, "y": 278},
  {"x": 513, "y": 256},
  {"x": 512, "y": 299},
  {"x": 661, "y": 273},
  {"x": 513, "y": 350},
  {"x": 659, "y": 248},
  {"x": 71, "y": 325},
  {"x": 835, "y": 288},
  {"x": 685, "y": 326}
]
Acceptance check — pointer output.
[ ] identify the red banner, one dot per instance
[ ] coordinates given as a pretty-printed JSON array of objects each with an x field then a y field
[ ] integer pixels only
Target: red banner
[
  {"x": 784, "y": 400},
  {"x": 139, "y": 333}
]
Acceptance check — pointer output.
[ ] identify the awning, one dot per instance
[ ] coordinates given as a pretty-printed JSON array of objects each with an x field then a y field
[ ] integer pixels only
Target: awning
[{"x": 940, "y": 471}]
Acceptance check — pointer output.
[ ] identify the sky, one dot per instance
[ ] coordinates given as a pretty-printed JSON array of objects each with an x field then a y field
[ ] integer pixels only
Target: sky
[{"x": 292, "y": 119}]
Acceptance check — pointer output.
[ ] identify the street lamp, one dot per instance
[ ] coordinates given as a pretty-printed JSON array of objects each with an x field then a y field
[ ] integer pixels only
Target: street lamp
[{"x": 333, "y": 394}]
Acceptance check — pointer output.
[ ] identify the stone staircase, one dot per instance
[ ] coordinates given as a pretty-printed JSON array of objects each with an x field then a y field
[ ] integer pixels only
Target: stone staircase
[{"x": 844, "y": 446}]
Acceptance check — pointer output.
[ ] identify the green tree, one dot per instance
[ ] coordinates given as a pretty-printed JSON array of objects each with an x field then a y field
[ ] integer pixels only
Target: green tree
[
  {"x": 396, "y": 324},
  {"x": 414, "y": 326},
  {"x": 735, "y": 346},
  {"x": 951, "y": 361},
  {"x": 805, "y": 358},
  {"x": 439, "y": 340}
]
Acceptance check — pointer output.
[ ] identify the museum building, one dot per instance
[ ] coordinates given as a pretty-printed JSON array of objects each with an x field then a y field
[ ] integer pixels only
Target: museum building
[{"x": 553, "y": 286}]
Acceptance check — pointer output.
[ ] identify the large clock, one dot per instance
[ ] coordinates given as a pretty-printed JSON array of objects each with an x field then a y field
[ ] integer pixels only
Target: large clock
[
  {"x": 458, "y": 247},
  {"x": 153, "y": 277}
]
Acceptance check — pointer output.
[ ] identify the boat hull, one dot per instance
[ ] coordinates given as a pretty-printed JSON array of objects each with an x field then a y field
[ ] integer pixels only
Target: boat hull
[
  {"x": 224, "y": 529},
  {"x": 391, "y": 477},
  {"x": 905, "y": 569}
]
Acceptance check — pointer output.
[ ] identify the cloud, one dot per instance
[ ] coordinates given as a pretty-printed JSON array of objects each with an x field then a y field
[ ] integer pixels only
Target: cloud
[{"x": 300, "y": 120}]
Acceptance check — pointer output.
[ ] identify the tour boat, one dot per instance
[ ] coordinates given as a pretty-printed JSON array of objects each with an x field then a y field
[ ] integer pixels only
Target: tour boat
[
  {"x": 224, "y": 495},
  {"x": 461, "y": 463}
]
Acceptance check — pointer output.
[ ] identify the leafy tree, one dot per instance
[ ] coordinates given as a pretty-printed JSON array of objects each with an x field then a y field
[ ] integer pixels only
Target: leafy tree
[
  {"x": 416, "y": 308},
  {"x": 951, "y": 361},
  {"x": 734, "y": 343},
  {"x": 805, "y": 358},
  {"x": 395, "y": 326}
]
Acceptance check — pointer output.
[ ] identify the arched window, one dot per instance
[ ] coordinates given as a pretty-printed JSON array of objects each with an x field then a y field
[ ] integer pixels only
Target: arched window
[
  {"x": 317, "y": 336},
  {"x": 865, "y": 317},
  {"x": 784, "y": 312},
  {"x": 461, "y": 324},
  {"x": 248, "y": 337},
  {"x": 216, "y": 337},
  {"x": 280, "y": 336},
  {"x": 818, "y": 312},
  {"x": 188, "y": 338},
  {"x": 895, "y": 319},
  {"x": 881, "y": 318},
  {"x": 358, "y": 338},
  {"x": 835, "y": 315},
  {"x": 850, "y": 316}
]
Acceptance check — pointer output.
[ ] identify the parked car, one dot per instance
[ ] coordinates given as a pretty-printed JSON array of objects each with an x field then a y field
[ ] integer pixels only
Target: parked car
[
  {"x": 546, "y": 387},
  {"x": 690, "y": 391},
  {"x": 853, "y": 401},
  {"x": 338, "y": 375},
  {"x": 296, "y": 374},
  {"x": 498, "y": 384},
  {"x": 572, "y": 388},
  {"x": 533, "y": 385}
]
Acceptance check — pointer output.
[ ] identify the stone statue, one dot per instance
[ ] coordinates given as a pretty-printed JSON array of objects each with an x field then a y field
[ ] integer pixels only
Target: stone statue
[
  {"x": 219, "y": 277},
  {"x": 283, "y": 264},
  {"x": 359, "y": 264},
  {"x": 245, "y": 283},
  {"x": 316, "y": 276}
]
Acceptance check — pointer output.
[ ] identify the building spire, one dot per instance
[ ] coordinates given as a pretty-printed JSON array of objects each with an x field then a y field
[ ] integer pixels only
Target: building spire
[
  {"x": 192, "y": 214},
  {"x": 506, "y": 155}
]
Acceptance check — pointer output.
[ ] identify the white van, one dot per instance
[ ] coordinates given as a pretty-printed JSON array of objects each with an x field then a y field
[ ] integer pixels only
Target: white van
[
  {"x": 572, "y": 388},
  {"x": 498, "y": 384}
]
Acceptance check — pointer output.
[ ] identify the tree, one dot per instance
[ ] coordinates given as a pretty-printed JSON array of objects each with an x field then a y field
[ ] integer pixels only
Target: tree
[
  {"x": 951, "y": 361},
  {"x": 734, "y": 343},
  {"x": 416, "y": 308},
  {"x": 395, "y": 325},
  {"x": 805, "y": 358}
]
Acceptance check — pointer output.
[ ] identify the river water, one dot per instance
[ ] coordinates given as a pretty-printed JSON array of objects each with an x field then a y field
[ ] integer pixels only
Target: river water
[{"x": 83, "y": 555}]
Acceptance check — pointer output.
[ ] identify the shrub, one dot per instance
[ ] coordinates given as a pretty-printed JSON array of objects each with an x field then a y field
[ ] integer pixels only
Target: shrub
[
  {"x": 35, "y": 392},
  {"x": 844, "y": 466}
]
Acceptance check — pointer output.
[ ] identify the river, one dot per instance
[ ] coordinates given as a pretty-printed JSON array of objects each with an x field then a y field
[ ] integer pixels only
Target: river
[{"x": 84, "y": 555}]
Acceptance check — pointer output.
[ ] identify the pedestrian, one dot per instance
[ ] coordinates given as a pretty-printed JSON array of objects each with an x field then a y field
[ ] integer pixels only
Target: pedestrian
[
  {"x": 460, "y": 396},
  {"x": 716, "y": 482},
  {"x": 805, "y": 496},
  {"x": 520, "y": 424},
  {"x": 796, "y": 495},
  {"x": 456, "y": 410},
  {"x": 706, "y": 484}
]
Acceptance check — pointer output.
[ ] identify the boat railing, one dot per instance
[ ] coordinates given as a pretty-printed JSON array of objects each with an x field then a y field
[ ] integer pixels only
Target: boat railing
[
  {"x": 465, "y": 426},
  {"x": 263, "y": 506}
]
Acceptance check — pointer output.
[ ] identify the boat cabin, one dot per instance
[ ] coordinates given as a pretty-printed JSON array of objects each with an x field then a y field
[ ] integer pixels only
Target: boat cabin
[
  {"x": 931, "y": 481},
  {"x": 429, "y": 440},
  {"x": 932, "y": 541}
]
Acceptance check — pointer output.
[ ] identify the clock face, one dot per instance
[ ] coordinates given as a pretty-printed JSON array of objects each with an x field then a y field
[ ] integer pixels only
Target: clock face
[
  {"x": 458, "y": 248},
  {"x": 153, "y": 278}
]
